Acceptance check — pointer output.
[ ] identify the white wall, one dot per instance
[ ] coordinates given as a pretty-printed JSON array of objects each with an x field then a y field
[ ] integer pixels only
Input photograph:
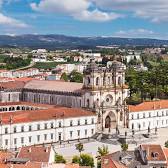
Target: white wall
[
  {"x": 154, "y": 118},
  {"x": 64, "y": 130}
]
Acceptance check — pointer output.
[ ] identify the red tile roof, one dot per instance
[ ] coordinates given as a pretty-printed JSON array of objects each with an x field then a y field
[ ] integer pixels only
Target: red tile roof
[
  {"x": 153, "y": 149},
  {"x": 146, "y": 106},
  {"x": 108, "y": 162},
  {"x": 27, "y": 165},
  {"x": 24, "y": 79},
  {"x": 12, "y": 85},
  {"x": 5, "y": 155},
  {"x": 26, "y": 104},
  {"x": 43, "y": 114},
  {"x": 35, "y": 153}
]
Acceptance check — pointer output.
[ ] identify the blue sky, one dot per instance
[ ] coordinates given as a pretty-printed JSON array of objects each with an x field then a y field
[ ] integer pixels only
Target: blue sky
[{"x": 123, "y": 18}]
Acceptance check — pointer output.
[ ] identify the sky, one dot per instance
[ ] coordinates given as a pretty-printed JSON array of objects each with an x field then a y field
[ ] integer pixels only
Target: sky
[{"x": 119, "y": 18}]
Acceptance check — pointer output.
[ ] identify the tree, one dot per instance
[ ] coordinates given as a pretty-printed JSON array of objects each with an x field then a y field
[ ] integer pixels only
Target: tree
[
  {"x": 59, "y": 159},
  {"x": 76, "y": 77},
  {"x": 84, "y": 160},
  {"x": 76, "y": 159},
  {"x": 124, "y": 147},
  {"x": 102, "y": 151},
  {"x": 79, "y": 147},
  {"x": 64, "y": 77},
  {"x": 166, "y": 144}
]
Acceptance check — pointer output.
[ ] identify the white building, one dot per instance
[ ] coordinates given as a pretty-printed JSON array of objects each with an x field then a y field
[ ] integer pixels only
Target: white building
[
  {"x": 26, "y": 73},
  {"x": 103, "y": 91},
  {"x": 39, "y": 51},
  {"x": 68, "y": 68},
  {"x": 40, "y": 58},
  {"x": 130, "y": 57},
  {"x": 19, "y": 73},
  {"x": 147, "y": 115},
  {"x": 26, "y": 124}
]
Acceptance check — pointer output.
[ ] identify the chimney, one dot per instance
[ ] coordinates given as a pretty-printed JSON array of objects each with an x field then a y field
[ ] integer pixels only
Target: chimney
[
  {"x": 29, "y": 150},
  {"x": 154, "y": 106},
  {"x": 46, "y": 149}
]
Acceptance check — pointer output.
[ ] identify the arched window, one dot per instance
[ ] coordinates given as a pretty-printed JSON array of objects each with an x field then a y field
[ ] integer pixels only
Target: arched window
[{"x": 97, "y": 81}]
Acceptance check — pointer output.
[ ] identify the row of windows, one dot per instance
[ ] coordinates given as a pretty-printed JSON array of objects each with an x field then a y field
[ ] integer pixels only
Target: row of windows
[
  {"x": 149, "y": 115},
  {"x": 46, "y": 126},
  {"x": 22, "y": 139},
  {"x": 146, "y": 124},
  {"x": 46, "y": 137}
]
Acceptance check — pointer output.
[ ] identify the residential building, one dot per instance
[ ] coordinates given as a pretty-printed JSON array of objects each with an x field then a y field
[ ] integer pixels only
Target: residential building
[{"x": 145, "y": 156}]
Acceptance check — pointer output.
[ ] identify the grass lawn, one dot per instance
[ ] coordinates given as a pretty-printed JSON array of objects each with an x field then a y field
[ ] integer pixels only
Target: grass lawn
[
  {"x": 49, "y": 65},
  {"x": 46, "y": 65}
]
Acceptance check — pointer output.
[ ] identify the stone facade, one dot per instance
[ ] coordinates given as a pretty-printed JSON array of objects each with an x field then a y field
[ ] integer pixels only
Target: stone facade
[{"x": 103, "y": 91}]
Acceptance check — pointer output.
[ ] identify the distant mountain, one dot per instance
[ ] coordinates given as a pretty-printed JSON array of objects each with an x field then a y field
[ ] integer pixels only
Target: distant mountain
[{"x": 61, "y": 41}]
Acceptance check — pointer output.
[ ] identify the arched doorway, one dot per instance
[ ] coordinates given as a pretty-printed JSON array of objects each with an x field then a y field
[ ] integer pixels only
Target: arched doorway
[{"x": 110, "y": 121}]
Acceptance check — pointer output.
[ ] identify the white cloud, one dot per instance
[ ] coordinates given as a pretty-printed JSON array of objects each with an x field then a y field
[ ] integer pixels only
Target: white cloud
[
  {"x": 154, "y": 10},
  {"x": 96, "y": 15},
  {"x": 138, "y": 33},
  {"x": 78, "y": 9},
  {"x": 5, "y": 20},
  {"x": 9, "y": 21}
]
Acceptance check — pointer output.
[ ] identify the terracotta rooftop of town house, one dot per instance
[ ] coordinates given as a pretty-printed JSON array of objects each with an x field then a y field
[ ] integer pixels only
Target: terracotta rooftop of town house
[
  {"x": 43, "y": 114},
  {"x": 27, "y": 165},
  {"x": 59, "y": 86},
  {"x": 35, "y": 153},
  {"x": 61, "y": 165},
  {"x": 12, "y": 85},
  {"x": 5, "y": 155},
  {"x": 146, "y": 106},
  {"x": 24, "y": 79},
  {"x": 27, "y": 104},
  {"x": 108, "y": 162},
  {"x": 153, "y": 152}
]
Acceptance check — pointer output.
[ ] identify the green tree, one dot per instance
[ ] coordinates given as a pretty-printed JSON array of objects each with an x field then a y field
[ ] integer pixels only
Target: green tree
[
  {"x": 79, "y": 147},
  {"x": 64, "y": 77},
  {"x": 76, "y": 159},
  {"x": 76, "y": 77},
  {"x": 124, "y": 147},
  {"x": 59, "y": 159},
  {"x": 102, "y": 151},
  {"x": 84, "y": 160},
  {"x": 166, "y": 144}
]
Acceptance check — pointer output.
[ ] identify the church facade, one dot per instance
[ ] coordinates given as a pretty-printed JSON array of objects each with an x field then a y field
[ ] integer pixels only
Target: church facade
[{"x": 103, "y": 91}]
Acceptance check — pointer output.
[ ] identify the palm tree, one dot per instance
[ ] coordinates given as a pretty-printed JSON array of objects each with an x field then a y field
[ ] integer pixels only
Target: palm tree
[{"x": 102, "y": 151}]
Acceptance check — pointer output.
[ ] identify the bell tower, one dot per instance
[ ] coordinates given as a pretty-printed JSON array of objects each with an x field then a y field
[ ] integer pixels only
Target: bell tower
[{"x": 105, "y": 93}]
